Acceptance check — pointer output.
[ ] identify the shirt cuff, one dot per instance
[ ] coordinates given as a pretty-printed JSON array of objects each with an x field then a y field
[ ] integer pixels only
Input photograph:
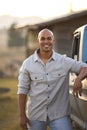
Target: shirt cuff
[{"x": 22, "y": 91}]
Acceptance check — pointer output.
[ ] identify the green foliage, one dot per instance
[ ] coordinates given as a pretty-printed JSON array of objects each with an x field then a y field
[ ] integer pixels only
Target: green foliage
[{"x": 15, "y": 37}]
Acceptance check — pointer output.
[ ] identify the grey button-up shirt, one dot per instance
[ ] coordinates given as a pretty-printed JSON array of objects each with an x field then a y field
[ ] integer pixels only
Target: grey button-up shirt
[{"x": 47, "y": 85}]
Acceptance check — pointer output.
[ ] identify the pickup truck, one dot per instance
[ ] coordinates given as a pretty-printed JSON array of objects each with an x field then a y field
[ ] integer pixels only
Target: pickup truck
[{"x": 79, "y": 53}]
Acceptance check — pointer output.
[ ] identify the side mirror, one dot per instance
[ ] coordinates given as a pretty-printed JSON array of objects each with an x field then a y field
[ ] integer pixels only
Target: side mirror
[{"x": 86, "y": 61}]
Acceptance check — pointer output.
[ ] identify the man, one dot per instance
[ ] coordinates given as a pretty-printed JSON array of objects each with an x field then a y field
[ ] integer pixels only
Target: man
[{"x": 44, "y": 77}]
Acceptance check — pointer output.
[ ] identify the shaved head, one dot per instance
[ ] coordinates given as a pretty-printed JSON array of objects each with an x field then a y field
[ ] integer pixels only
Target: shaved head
[
  {"x": 46, "y": 41},
  {"x": 46, "y": 30}
]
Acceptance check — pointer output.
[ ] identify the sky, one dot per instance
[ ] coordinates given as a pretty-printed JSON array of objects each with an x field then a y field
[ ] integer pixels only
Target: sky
[{"x": 41, "y": 8}]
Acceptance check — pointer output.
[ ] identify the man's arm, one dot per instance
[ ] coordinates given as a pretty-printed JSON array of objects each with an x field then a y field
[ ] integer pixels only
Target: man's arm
[
  {"x": 77, "y": 88},
  {"x": 22, "y": 106}
]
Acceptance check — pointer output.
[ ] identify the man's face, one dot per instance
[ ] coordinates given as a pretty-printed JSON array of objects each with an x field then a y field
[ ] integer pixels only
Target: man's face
[{"x": 46, "y": 41}]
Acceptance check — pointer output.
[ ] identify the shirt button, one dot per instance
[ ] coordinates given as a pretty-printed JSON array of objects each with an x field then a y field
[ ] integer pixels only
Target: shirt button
[
  {"x": 48, "y": 96},
  {"x": 48, "y": 85},
  {"x": 47, "y": 73}
]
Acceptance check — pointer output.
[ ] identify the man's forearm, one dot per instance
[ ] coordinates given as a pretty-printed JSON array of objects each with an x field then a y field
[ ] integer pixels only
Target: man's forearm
[
  {"x": 82, "y": 74},
  {"x": 22, "y": 104},
  {"x": 24, "y": 121},
  {"x": 77, "y": 88}
]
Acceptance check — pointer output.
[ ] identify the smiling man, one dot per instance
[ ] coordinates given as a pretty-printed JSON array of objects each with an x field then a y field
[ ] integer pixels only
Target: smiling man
[
  {"x": 46, "y": 42},
  {"x": 44, "y": 78}
]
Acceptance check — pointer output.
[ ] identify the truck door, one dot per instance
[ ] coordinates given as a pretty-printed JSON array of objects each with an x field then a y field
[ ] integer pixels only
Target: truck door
[{"x": 79, "y": 53}]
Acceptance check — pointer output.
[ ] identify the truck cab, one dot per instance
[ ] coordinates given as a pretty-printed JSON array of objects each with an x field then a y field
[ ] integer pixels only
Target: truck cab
[{"x": 79, "y": 53}]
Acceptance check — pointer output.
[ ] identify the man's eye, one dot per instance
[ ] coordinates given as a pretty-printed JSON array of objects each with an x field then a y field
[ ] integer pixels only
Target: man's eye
[
  {"x": 42, "y": 39},
  {"x": 49, "y": 38}
]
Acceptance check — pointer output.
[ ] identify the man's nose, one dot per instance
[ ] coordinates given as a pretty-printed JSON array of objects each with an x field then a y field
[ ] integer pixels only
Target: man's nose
[{"x": 45, "y": 40}]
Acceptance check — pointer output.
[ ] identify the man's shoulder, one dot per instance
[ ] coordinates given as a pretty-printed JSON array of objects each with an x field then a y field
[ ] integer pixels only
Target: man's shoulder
[
  {"x": 29, "y": 59},
  {"x": 60, "y": 55}
]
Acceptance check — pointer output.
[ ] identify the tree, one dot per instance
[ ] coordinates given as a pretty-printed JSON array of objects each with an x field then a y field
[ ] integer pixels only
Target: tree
[{"x": 15, "y": 37}]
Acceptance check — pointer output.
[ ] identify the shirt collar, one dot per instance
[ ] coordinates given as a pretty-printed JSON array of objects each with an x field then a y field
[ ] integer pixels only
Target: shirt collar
[
  {"x": 53, "y": 55},
  {"x": 36, "y": 57}
]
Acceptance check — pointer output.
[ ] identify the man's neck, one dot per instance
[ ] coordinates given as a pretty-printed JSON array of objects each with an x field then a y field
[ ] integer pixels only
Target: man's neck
[{"x": 45, "y": 56}]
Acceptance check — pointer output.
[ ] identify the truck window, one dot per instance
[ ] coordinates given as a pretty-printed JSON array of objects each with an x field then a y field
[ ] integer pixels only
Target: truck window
[
  {"x": 84, "y": 48},
  {"x": 75, "y": 46}
]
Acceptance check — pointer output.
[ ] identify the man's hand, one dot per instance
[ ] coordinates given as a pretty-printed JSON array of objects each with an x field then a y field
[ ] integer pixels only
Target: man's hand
[
  {"x": 77, "y": 88},
  {"x": 24, "y": 122}
]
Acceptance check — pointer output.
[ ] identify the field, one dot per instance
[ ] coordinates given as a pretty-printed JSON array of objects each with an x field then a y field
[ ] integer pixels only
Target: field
[{"x": 9, "y": 118}]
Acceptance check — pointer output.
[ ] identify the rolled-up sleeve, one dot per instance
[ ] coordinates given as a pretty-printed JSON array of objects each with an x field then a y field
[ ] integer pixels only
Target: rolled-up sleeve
[
  {"x": 77, "y": 65},
  {"x": 73, "y": 65},
  {"x": 23, "y": 80}
]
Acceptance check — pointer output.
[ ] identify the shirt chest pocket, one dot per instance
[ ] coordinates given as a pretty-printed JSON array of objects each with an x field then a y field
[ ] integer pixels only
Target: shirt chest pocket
[
  {"x": 57, "y": 75},
  {"x": 36, "y": 77}
]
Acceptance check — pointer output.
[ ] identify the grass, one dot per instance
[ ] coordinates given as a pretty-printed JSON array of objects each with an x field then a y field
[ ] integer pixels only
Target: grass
[{"x": 9, "y": 115}]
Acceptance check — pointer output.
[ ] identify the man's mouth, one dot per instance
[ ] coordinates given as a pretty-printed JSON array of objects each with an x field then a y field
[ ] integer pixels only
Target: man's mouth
[{"x": 46, "y": 46}]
